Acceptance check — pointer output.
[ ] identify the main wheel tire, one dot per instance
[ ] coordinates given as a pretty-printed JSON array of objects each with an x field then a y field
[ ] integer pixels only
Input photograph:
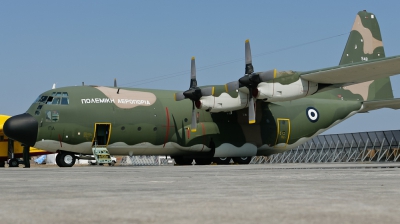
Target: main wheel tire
[
  {"x": 58, "y": 156},
  {"x": 65, "y": 159},
  {"x": 203, "y": 161},
  {"x": 2, "y": 163},
  {"x": 222, "y": 160},
  {"x": 13, "y": 163},
  {"x": 242, "y": 160},
  {"x": 183, "y": 161}
]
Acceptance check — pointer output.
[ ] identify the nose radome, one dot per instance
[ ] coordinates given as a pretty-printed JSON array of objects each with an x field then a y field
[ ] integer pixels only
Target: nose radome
[{"x": 22, "y": 128}]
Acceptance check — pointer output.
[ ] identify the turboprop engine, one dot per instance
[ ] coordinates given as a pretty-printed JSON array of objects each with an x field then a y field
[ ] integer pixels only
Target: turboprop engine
[
  {"x": 286, "y": 86},
  {"x": 223, "y": 103}
]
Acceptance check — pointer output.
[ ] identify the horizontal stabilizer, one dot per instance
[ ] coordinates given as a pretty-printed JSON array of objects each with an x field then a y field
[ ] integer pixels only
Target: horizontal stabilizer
[
  {"x": 356, "y": 72},
  {"x": 378, "y": 104}
]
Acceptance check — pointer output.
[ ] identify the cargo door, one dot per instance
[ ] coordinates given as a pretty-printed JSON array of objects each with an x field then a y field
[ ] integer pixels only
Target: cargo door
[{"x": 102, "y": 133}]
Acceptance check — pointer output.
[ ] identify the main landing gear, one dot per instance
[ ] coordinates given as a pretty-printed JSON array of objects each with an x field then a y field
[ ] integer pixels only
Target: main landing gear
[
  {"x": 65, "y": 159},
  {"x": 242, "y": 160}
]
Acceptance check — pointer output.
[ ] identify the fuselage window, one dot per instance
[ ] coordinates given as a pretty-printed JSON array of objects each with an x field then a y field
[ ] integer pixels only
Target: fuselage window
[
  {"x": 64, "y": 101},
  {"x": 52, "y": 116}
]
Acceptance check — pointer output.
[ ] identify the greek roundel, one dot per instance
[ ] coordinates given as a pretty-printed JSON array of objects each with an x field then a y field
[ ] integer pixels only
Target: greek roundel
[{"x": 312, "y": 114}]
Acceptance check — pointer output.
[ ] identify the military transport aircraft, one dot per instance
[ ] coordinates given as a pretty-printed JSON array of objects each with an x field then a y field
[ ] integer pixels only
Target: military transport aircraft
[{"x": 259, "y": 114}]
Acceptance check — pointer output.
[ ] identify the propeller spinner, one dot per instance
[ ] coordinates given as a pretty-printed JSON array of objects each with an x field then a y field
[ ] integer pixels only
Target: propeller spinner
[
  {"x": 250, "y": 80},
  {"x": 194, "y": 93}
]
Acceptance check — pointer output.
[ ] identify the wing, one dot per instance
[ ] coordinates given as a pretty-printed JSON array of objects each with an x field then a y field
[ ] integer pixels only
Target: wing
[
  {"x": 378, "y": 104},
  {"x": 356, "y": 72}
]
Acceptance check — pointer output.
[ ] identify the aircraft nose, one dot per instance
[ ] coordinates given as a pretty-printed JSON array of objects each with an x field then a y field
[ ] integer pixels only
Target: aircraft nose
[{"x": 22, "y": 128}]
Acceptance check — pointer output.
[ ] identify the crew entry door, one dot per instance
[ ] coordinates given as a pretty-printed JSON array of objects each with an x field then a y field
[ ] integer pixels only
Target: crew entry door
[
  {"x": 102, "y": 132},
  {"x": 283, "y": 132}
]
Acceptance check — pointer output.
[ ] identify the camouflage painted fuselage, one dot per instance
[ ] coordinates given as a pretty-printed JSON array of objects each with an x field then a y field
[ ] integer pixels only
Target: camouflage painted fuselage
[{"x": 150, "y": 122}]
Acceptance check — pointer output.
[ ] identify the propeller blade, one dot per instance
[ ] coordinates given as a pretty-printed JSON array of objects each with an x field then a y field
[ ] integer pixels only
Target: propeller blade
[
  {"x": 252, "y": 114},
  {"x": 115, "y": 82},
  {"x": 194, "y": 120},
  {"x": 249, "y": 61},
  {"x": 193, "y": 81},
  {"x": 268, "y": 75},
  {"x": 232, "y": 86},
  {"x": 208, "y": 91},
  {"x": 179, "y": 96}
]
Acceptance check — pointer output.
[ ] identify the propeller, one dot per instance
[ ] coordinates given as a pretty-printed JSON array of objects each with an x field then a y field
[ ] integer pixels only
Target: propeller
[
  {"x": 194, "y": 93},
  {"x": 250, "y": 80},
  {"x": 115, "y": 83}
]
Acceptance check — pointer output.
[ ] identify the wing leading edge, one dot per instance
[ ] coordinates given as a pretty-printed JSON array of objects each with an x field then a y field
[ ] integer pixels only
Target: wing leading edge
[{"x": 356, "y": 72}]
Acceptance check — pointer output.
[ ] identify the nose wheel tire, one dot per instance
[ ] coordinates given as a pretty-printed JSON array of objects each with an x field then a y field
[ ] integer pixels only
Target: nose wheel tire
[
  {"x": 222, "y": 160},
  {"x": 242, "y": 160},
  {"x": 13, "y": 163},
  {"x": 65, "y": 159}
]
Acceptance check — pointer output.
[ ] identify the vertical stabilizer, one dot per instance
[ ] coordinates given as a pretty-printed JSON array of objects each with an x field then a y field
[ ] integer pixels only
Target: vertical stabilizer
[{"x": 364, "y": 44}]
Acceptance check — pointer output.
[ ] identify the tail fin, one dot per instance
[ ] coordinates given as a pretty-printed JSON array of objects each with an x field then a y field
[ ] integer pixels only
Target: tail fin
[{"x": 365, "y": 43}]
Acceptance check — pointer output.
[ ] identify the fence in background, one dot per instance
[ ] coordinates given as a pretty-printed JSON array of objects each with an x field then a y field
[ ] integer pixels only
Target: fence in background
[{"x": 379, "y": 146}]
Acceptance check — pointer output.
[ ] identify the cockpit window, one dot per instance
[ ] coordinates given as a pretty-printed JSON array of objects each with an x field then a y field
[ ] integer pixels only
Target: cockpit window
[
  {"x": 56, "y": 100},
  {"x": 49, "y": 100},
  {"x": 42, "y": 99},
  {"x": 37, "y": 99},
  {"x": 64, "y": 101}
]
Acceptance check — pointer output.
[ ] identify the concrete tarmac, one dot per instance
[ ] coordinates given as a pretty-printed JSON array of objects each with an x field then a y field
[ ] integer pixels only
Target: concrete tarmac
[{"x": 271, "y": 193}]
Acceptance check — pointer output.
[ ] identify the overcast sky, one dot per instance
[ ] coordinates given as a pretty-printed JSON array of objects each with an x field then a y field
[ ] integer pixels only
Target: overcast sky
[{"x": 148, "y": 44}]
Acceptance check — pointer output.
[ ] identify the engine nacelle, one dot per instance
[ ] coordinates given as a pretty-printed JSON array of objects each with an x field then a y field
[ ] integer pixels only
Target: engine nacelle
[
  {"x": 223, "y": 103},
  {"x": 275, "y": 91}
]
